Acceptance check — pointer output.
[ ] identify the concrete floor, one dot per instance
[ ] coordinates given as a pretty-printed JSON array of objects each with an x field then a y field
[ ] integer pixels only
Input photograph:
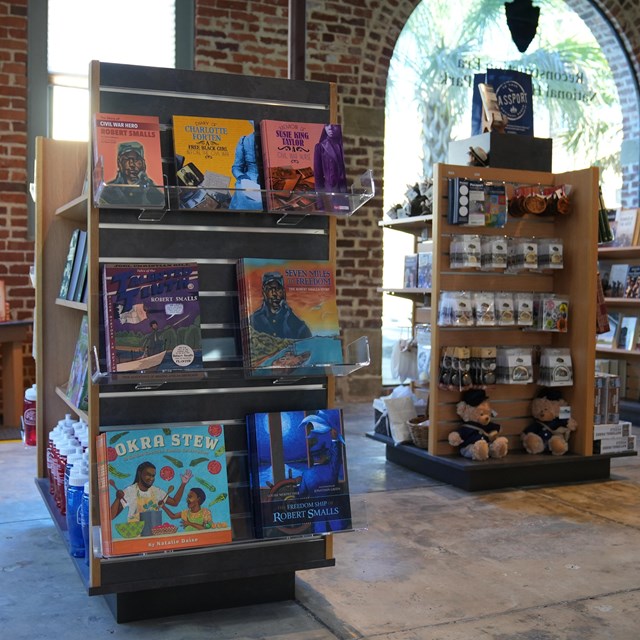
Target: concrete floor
[{"x": 541, "y": 563}]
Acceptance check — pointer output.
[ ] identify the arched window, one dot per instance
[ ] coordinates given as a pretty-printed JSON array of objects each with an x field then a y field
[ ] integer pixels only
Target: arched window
[{"x": 579, "y": 74}]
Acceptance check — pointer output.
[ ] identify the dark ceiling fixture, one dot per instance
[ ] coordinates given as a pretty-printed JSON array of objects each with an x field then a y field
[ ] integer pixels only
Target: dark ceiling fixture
[{"x": 522, "y": 20}]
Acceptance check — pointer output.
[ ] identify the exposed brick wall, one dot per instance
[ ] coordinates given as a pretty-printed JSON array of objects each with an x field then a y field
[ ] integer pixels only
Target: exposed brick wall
[
  {"x": 349, "y": 42},
  {"x": 16, "y": 251}
]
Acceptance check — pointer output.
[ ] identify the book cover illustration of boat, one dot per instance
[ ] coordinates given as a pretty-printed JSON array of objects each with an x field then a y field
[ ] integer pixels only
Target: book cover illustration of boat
[
  {"x": 298, "y": 472},
  {"x": 152, "y": 318},
  {"x": 289, "y": 315},
  {"x": 163, "y": 488}
]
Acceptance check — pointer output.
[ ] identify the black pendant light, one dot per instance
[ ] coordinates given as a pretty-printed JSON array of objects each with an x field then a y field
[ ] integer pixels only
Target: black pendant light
[{"x": 522, "y": 20}]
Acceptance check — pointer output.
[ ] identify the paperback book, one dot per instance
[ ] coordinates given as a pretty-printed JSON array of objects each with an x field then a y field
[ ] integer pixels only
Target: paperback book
[
  {"x": 288, "y": 314},
  {"x": 303, "y": 166},
  {"x": 152, "y": 317},
  {"x": 78, "y": 385},
  {"x": 162, "y": 488},
  {"x": 65, "y": 281},
  {"x": 216, "y": 163},
  {"x": 626, "y": 228},
  {"x": 298, "y": 473},
  {"x": 79, "y": 262},
  {"x": 127, "y": 162}
]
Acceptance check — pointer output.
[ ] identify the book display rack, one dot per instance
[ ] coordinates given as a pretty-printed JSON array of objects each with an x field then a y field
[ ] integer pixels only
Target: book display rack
[{"x": 249, "y": 570}]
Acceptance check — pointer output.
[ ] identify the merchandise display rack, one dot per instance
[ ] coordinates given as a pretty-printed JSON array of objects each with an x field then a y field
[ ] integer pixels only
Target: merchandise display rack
[
  {"x": 630, "y": 408},
  {"x": 248, "y": 571},
  {"x": 577, "y": 279}
]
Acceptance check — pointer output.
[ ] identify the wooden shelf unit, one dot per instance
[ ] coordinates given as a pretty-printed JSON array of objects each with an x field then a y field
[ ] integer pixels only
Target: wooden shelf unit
[
  {"x": 624, "y": 306},
  {"x": 512, "y": 402},
  {"x": 250, "y": 570}
]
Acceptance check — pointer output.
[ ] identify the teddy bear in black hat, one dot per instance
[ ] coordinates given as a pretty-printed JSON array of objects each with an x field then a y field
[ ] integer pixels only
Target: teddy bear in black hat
[
  {"x": 548, "y": 431},
  {"x": 477, "y": 437}
]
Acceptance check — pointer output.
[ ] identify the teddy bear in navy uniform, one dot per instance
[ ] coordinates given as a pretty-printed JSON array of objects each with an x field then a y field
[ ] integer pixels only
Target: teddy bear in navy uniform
[
  {"x": 477, "y": 437},
  {"x": 548, "y": 432}
]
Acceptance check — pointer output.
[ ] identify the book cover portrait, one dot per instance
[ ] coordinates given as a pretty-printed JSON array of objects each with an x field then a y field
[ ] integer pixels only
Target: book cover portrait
[
  {"x": 152, "y": 317},
  {"x": 298, "y": 472},
  {"x": 163, "y": 488},
  {"x": 216, "y": 163},
  {"x": 127, "y": 161},
  {"x": 288, "y": 313},
  {"x": 301, "y": 159}
]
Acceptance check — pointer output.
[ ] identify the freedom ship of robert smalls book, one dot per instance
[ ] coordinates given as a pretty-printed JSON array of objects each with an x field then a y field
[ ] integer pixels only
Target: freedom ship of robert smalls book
[{"x": 298, "y": 472}]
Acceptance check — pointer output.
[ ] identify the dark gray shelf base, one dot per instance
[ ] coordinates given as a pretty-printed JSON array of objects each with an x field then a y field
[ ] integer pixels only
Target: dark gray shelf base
[
  {"x": 208, "y": 596},
  {"x": 168, "y": 584},
  {"x": 517, "y": 469}
]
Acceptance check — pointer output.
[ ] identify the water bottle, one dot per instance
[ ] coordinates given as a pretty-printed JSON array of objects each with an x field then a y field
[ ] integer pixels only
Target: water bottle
[
  {"x": 77, "y": 480},
  {"x": 85, "y": 521},
  {"x": 74, "y": 459},
  {"x": 29, "y": 416}
]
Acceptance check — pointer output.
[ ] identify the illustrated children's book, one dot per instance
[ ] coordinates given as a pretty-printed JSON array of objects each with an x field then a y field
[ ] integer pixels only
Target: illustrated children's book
[
  {"x": 303, "y": 165},
  {"x": 162, "y": 488},
  {"x": 127, "y": 162},
  {"x": 298, "y": 473},
  {"x": 216, "y": 163},
  {"x": 152, "y": 317},
  {"x": 288, "y": 314},
  {"x": 78, "y": 385}
]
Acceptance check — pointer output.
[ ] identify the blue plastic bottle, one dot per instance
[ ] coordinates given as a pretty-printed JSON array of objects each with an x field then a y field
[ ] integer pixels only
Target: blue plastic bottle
[
  {"x": 77, "y": 480},
  {"x": 85, "y": 521}
]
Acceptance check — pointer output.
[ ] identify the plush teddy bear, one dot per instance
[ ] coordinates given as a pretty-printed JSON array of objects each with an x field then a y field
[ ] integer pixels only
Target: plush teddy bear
[
  {"x": 478, "y": 436},
  {"x": 548, "y": 432}
]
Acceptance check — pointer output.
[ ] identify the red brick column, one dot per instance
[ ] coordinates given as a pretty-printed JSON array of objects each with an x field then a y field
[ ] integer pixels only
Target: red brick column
[{"x": 16, "y": 250}]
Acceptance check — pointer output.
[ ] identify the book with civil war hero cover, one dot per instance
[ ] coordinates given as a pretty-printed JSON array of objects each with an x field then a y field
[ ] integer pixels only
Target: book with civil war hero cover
[
  {"x": 152, "y": 317},
  {"x": 162, "y": 488},
  {"x": 303, "y": 165},
  {"x": 127, "y": 161},
  {"x": 288, "y": 314},
  {"x": 298, "y": 473},
  {"x": 216, "y": 163}
]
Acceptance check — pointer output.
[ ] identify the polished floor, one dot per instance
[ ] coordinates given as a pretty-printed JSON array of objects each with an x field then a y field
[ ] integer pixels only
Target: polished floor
[{"x": 433, "y": 562}]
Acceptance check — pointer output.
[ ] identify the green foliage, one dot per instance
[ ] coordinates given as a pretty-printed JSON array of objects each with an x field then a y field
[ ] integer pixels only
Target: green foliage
[{"x": 437, "y": 38}]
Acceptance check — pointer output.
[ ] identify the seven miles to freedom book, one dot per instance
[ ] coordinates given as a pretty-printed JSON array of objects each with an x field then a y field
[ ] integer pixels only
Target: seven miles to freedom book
[
  {"x": 152, "y": 317},
  {"x": 288, "y": 314},
  {"x": 162, "y": 488},
  {"x": 298, "y": 473}
]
